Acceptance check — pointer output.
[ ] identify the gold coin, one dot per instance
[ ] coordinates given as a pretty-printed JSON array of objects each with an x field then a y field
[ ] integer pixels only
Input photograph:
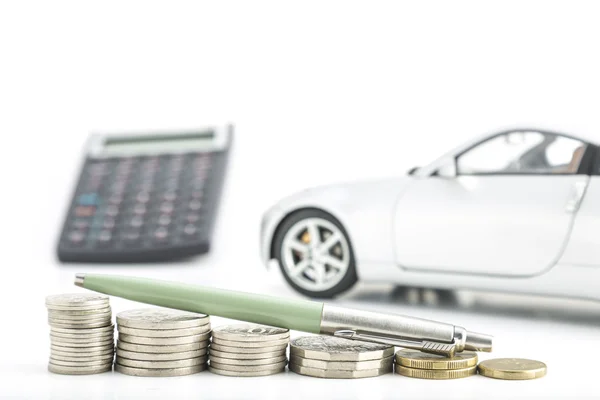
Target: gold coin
[
  {"x": 420, "y": 360},
  {"x": 436, "y": 373},
  {"x": 512, "y": 368}
]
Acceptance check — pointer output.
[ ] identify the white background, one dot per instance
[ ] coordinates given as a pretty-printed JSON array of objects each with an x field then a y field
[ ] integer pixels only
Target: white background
[{"x": 319, "y": 91}]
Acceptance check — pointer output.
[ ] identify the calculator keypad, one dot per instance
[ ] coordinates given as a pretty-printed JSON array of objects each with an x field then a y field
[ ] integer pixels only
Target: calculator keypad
[{"x": 134, "y": 203}]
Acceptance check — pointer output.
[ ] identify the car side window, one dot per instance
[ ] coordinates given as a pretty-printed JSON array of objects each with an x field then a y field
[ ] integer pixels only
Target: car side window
[{"x": 523, "y": 153}]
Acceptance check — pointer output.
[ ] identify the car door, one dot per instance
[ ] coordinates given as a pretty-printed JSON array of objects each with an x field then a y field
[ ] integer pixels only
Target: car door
[
  {"x": 583, "y": 247},
  {"x": 507, "y": 210}
]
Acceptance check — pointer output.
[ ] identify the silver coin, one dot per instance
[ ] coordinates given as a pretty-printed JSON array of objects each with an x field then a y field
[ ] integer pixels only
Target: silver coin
[
  {"x": 231, "y": 343},
  {"x": 176, "y": 348},
  {"x": 245, "y": 374},
  {"x": 164, "y": 341},
  {"x": 59, "y": 369},
  {"x": 105, "y": 358},
  {"x": 85, "y": 335},
  {"x": 245, "y": 356},
  {"x": 161, "y": 318},
  {"x": 94, "y": 353},
  {"x": 80, "y": 323},
  {"x": 250, "y": 333},
  {"x": 76, "y": 318},
  {"x": 80, "y": 313},
  {"x": 80, "y": 308},
  {"x": 248, "y": 368},
  {"x": 159, "y": 372},
  {"x": 261, "y": 361},
  {"x": 248, "y": 350},
  {"x": 99, "y": 324},
  {"x": 72, "y": 349},
  {"x": 329, "y": 348},
  {"x": 95, "y": 339},
  {"x": 342, "y": 365},
  {"x": 189, "y": 362},
  {"x": 81, "y": 363},
  {"x": 338, "y": 374},
  {"x": 132, "y": 355},
  {"x": 164, "y": 333},
  {"x": 103, "y": 329},
  {"x": 68, "y": 343},
  {"x": 76, "y": 300}
]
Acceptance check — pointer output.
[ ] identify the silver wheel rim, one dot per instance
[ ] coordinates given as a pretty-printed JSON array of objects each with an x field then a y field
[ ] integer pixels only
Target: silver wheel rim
[{"x": 315, "y": 254}]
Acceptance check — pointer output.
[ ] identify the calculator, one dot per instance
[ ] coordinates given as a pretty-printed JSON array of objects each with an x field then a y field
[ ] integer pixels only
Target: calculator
[{"x": 146, "y": 197}]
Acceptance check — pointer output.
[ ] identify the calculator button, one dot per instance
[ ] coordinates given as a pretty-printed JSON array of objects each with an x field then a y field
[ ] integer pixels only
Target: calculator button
[
  {"x": 143, "y": 197},
  {"x": 197, "y": 194},
  {"x": 88, "y": 199},
  {"x": 190, "y": 229},
  {"x": 201, "y": 174},
  {"x": 164, "y": 220},
  {"x": 76, "y": 237},
  {"x": 166, "y": 207},
  {"x": 139, "y": 209},
  {"x": 197, "y": 185},
  {"x": 161, "y": 234},
  {"x": 195, "y": 205},
  {"x": 115, "y": 199},
  {"x": 131, "y": 235},
  {"x": 108, "y": 223},
  {"x": 104, "y": 237},
  {"x": 192, "y": 218},
  {"x": 170, "y": 196},
  {"x": 80, "y": 223},
  {"x": 136, "y": 222},
  {"x": 112, "y": 210},
  {"x": 85, "y": 211}
]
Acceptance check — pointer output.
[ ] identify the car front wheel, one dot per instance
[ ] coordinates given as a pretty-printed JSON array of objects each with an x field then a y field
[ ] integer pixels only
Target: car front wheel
[{"x": 315, "y": 254}]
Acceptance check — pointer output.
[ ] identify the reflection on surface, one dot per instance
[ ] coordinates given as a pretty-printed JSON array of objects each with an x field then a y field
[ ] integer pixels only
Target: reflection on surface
[{"x": 504, "y": 305}]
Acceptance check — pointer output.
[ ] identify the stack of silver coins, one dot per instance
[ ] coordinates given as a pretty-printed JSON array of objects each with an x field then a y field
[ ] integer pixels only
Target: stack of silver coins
[
  {"x": 81, "y": 334},
  {"x": 161, "y": 342},
  {"x": 332, "y": 357},
  {"x": 248, "y": 350}
]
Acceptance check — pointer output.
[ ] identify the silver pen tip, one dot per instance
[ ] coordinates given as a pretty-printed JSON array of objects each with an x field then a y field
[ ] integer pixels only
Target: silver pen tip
[
  {"x": 478, "y": 342},
  {"x": 79, "y": 278}
]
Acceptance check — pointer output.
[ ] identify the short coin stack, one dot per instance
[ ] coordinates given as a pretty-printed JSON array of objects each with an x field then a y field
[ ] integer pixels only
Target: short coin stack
[
  {"x": 248, "y": 350},
  {"x": 161, "y": 342},
  {"x": 332, "y": 357},
  {"x": 81, "y": 334},
  {"x": 416, "y": 364},
  {"x": 512, "y": 368}
]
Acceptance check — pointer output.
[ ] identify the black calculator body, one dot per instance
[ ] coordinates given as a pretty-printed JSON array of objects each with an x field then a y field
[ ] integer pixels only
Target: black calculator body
[{"x": 146, "y": 198}]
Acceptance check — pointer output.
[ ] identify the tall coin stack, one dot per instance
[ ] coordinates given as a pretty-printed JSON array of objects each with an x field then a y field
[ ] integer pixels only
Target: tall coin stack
[
  {"x": 416, "y": 364},
  {"x": 248, "y": 350},
  {"x": 81, "y": 334},
  {"x": 161, "y": 342},
  {"x": 332, "y": 357}
]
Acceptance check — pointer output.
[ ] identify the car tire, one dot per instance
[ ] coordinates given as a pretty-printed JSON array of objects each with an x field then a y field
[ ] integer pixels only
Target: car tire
[{"x": 342, "y": 283}]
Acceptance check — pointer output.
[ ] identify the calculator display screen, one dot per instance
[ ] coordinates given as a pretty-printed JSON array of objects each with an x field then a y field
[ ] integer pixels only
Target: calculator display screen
[{"x": 158, "y": 144}]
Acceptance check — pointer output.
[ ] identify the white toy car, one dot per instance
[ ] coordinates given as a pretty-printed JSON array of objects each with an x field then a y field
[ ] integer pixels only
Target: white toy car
[{"x": 517, "y": 211}]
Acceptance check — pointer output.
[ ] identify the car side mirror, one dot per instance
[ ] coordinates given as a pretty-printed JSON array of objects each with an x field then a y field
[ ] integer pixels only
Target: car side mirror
[
  {"x": 412, "y": 170},
  {"x": 448, "y": 169}
]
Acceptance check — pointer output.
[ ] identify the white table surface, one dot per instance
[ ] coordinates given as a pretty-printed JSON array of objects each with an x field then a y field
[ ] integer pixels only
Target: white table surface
[
  {"x": 320, "y": 92},
  {"x": 562, "y": 334}
]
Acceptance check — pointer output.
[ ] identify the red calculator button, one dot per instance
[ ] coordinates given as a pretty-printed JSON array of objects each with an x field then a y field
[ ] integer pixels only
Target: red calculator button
[{"x": 85, "y": 211}]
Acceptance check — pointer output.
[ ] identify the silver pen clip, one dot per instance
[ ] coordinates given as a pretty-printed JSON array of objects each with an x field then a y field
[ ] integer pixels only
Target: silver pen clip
[{"x": 442, "y": 349}]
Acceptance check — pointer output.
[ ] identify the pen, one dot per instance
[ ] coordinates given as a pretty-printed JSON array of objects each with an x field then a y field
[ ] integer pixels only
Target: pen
[{"x": 302, "y": 315}]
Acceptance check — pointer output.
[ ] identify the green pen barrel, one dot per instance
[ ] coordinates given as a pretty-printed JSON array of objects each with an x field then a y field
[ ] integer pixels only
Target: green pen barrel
[{"x": 299, "y": 315}]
